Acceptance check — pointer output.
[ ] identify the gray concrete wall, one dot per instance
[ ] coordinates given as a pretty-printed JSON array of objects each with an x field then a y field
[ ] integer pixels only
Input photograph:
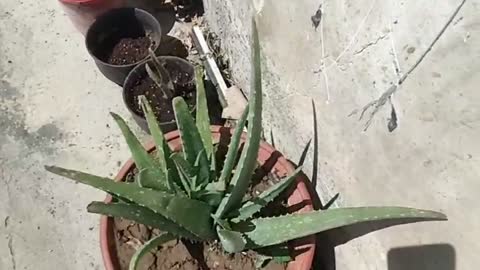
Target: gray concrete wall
[{"x": 360, "y": 49}]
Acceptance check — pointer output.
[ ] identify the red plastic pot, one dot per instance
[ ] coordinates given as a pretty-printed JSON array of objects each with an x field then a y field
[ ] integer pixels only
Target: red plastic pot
[
  {"x": 83, "y": 13},
  {"x": 267, "y": 153}
]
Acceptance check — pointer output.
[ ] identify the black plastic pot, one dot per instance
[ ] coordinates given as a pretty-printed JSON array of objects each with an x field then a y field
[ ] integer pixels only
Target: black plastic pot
[
  {"x": 113, "y": 26},
  {"x": 173, "y": 64}
]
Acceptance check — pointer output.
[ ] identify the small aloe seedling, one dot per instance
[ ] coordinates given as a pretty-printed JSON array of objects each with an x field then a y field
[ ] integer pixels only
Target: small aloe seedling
[
  {"x": 159, "y": 75},
  {"x": 186, "y": 196}
]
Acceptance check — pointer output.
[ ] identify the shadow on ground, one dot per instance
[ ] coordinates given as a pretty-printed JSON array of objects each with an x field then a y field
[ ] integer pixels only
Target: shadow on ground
[{"x": 423, "y": 257}]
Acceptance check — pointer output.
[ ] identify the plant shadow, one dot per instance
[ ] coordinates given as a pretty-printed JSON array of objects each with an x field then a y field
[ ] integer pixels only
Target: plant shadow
[
  {"x": 422, "y": 257},
  {"x": 163, "y": 12},
  {"x": 188, "y": 9},
  {"x": 426, "y": 257},
  {"x": 172, "y": 46}
]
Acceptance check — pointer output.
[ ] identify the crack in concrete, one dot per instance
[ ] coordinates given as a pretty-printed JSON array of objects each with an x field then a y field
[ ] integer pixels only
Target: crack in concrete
[
  {"x": 354, "y": 37},
  {"x": 378, "y": 103},
  {"x": 372, "y": 43},
  {"x": 396, "y": 63},
  {"x": 12, "y": 253},
  {"x": 5, "y": 222}
]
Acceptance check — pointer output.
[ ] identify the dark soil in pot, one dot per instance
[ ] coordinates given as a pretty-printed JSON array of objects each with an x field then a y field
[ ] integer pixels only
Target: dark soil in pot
[
  {"x": 119, "y": 40},
  {"x": 129, "y": 51},
  {"x": 138, "y": 83},
  {"x": 161, "y": 106},
  {"x": 187, "y": 255}
]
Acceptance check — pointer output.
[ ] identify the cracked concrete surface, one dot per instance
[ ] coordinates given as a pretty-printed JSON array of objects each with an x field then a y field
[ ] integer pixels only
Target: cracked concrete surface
[
  {"x": 54, "y": 108},
  {"x": 359, "y": 51}
]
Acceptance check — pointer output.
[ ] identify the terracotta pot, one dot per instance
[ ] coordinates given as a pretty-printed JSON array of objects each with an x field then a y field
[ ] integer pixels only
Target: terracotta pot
[{"x": 267, "y": 156}]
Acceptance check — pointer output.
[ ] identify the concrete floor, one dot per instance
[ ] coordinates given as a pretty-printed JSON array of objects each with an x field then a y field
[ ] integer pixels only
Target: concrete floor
[{"x": 54, "y": 107}]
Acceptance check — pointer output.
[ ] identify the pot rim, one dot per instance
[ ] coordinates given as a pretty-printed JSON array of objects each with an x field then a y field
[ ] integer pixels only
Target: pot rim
[
  {"x": 303, "y": 261},
  {"x": 80, "y": 1},
  {"x": 137, "y": 10}
]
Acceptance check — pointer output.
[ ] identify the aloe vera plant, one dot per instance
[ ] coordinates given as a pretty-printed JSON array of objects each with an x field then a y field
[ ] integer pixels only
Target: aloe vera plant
[{"x": 186, "y": 196}]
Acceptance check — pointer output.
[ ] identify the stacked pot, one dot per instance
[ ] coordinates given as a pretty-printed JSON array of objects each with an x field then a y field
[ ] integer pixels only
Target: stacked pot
[{"x": 119, "y": 39}]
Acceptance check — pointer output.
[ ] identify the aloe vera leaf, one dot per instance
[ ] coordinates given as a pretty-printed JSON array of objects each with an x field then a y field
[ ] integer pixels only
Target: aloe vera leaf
[
  {"x": 248, "y": 158},
  {"x": 232, "y": 241},
  {"x": 166, "y": 165},
  {"x": 215, "y": 186},
  {"x": 276, "y": 230},
  {"x": 304, "y": 153},
  {"x": 147, "y": 247},
  {"x": 278, "y": 253},
  {"x": 331, "y": 201},
  {"x": 254, "y": 206},
  {"x": 193, "y": 215},
  {"x": 192, "y": 142},
  {"x": 185, "y": 171},
  {"x": 154, "y": 177},
  {"x": 141, "y": 215},
  {"x": 166, "y": 82},
  {"x": 213, "y": 198},
  {"x": 213, "y": 167},
  {"x": 224, "y": 224},
  {"x": 202, "y": 118},
  {"x": 233, "y": 149},
  {"x": 201, "y": 168},
  {"x": 156, "y": 78},
  {"x": 315, "y": 150}
]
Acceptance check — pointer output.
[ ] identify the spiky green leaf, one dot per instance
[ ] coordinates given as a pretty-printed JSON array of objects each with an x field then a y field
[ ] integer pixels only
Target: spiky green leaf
[
  {"x": 192, "y": 215},
  {"x": 185, "y": 171},
  {"x": 213, "y": 198},
  {"x": 304, "y": 153},
  {"x": 156, "y": 79},
  {"x": 147, "y": 247},
  {"x": 215, "y": 186},
  {"x": 166, "y": 165},
  {"x": 192, "y": 142},
  {"x": 231, "y": 241},
  {"x": 202, "y": 119},
  {"x": 255, "y": 205},
  {"x": 141, "y": 215},
  {"x": 248, "y": 158},
  {"x": 275, "y": 230},
  {"x": 233, "y": 148},
  {"x": 280, "y": 254},
  {"x": 154, "y": 177},
  {"x": 213, "y": 167},
  {"x": 224, "y": 224}
]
